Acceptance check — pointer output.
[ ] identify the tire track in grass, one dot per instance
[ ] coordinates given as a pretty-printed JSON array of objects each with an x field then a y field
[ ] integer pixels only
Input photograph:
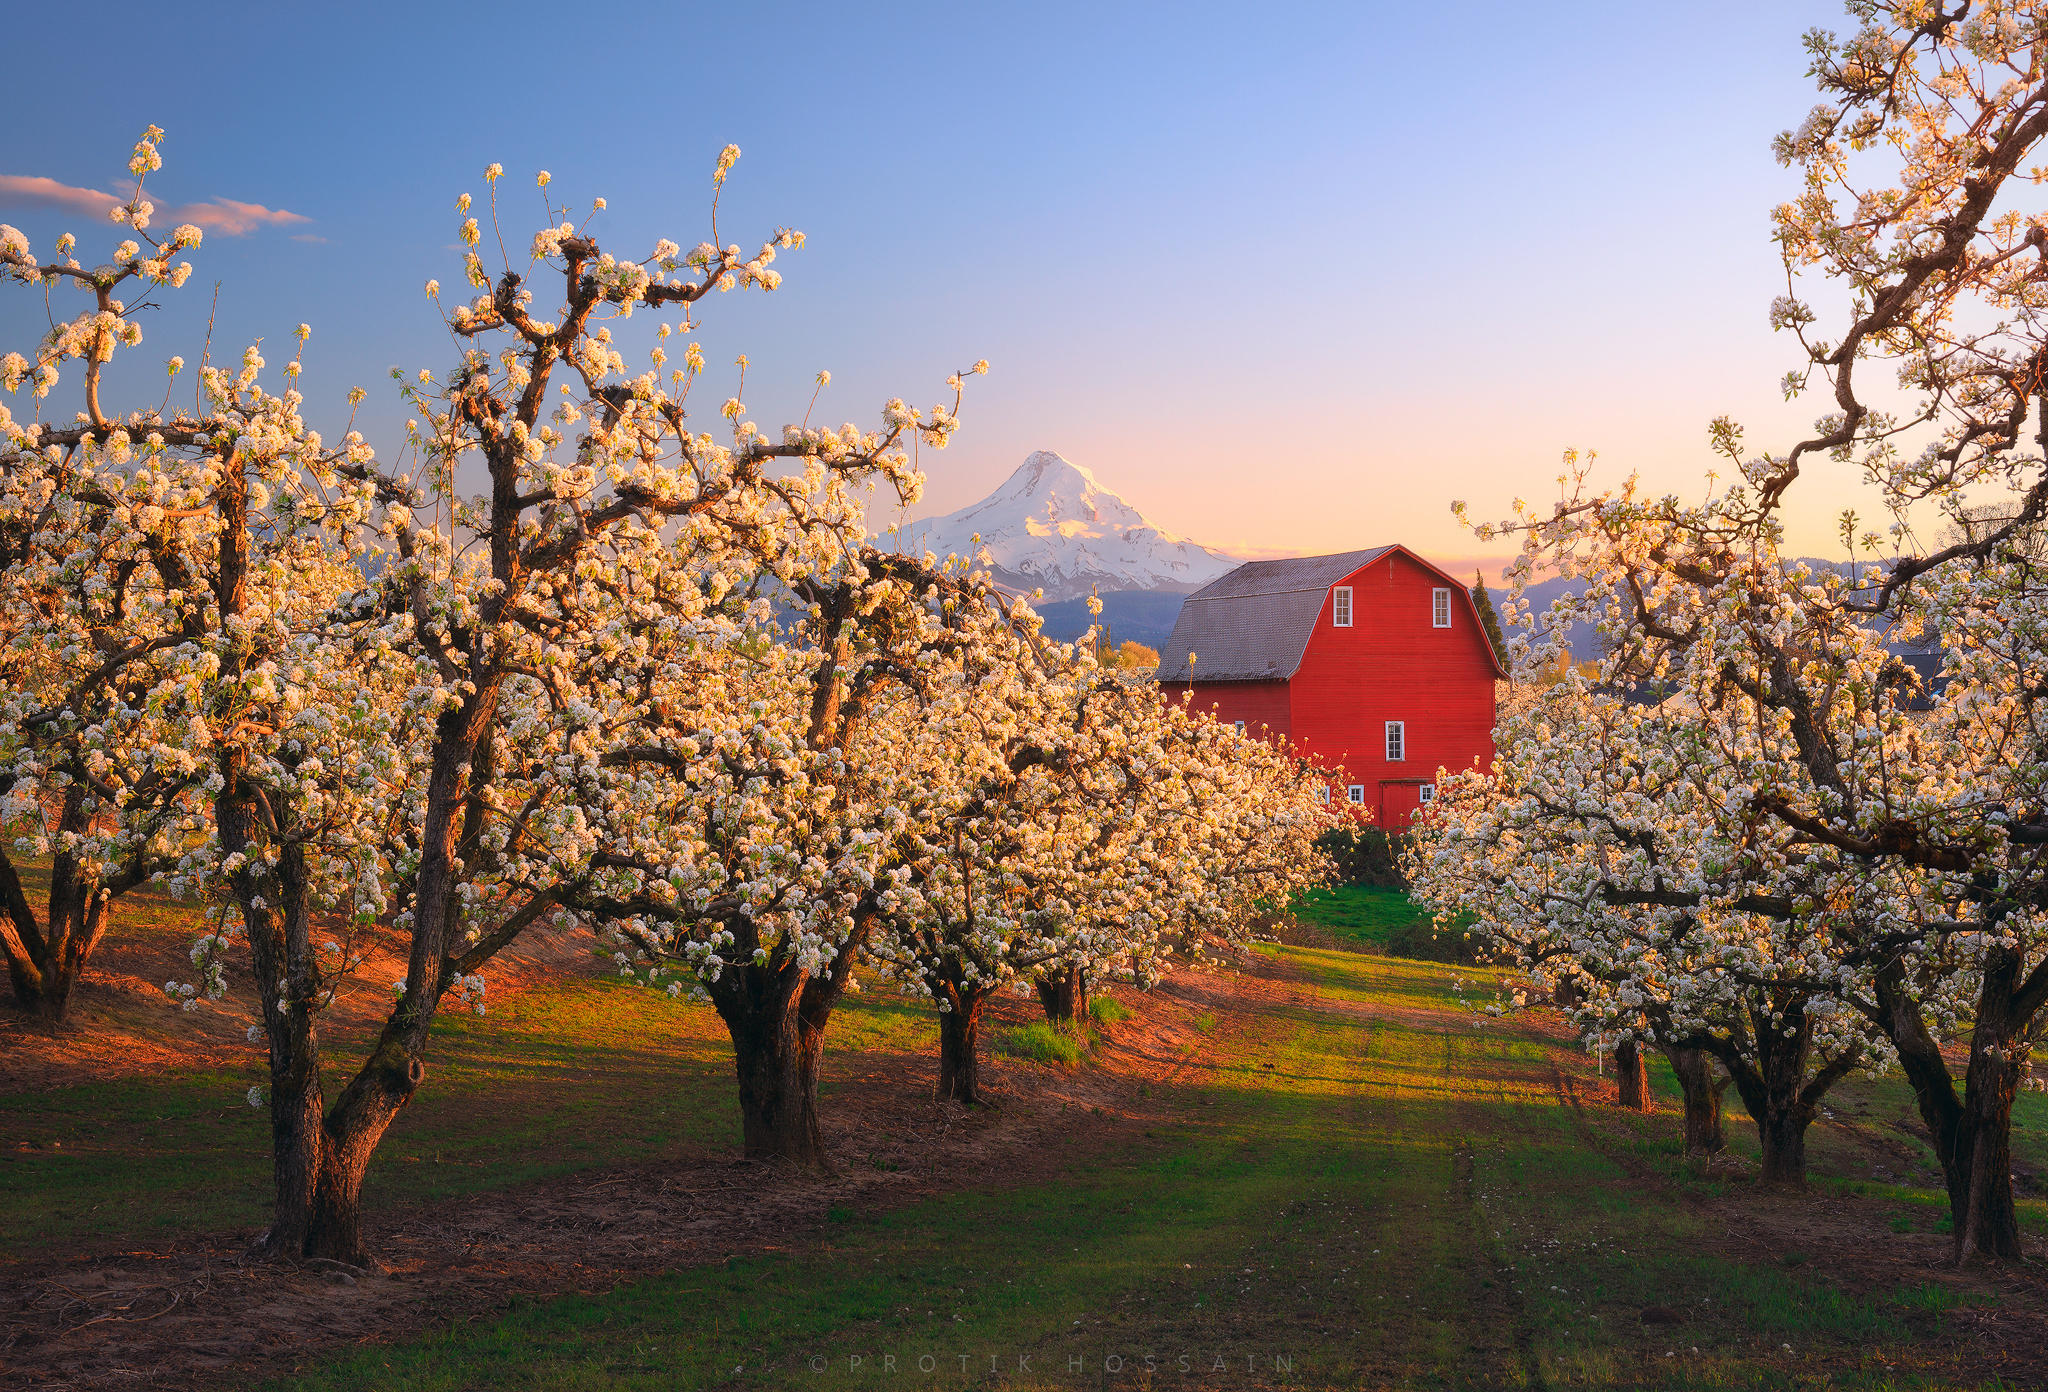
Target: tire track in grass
[
  {"x": 1434, "y": 1294},
  {"x": 1492, "y": 1332},
  {"x": 1353, "y": 1266},
  {"x": 1497, "y": 1134},
  {"x": 1286, "y": 1291},
  {"x": 1476, "y": 1064},
  {"x": 1521, "y": 1329}
]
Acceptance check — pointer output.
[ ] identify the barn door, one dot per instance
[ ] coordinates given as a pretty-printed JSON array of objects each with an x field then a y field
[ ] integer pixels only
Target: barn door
[{"x": 1398, "y": 805}]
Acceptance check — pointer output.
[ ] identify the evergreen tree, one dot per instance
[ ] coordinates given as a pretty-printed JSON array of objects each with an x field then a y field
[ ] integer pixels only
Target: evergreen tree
[{"x": 1488, "y": 620}]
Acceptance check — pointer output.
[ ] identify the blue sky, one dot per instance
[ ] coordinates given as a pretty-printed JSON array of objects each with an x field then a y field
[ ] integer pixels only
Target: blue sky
[{"x": 1289, "y": 277}]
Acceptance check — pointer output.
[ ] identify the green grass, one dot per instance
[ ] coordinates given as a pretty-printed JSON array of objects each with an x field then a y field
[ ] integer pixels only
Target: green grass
[
  {"x": 590, "y": 1073},
  {"x": 1367, "y": 1186},
  {"x": 1361, "y": 1190},
  {"x": 1379, "y": 920},
  {"x": 1358, "y": 913},
  {"x": 1108, "y": 1010},
  {"x": 1041, "y": 1042}
]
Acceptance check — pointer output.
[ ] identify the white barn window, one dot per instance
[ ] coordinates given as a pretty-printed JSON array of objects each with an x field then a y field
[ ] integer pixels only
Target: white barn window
[
  {"x": 1440, "y": 608},
  {"x": 1240, "y": 727},
  {"x": 1428, "y": 794},
  {"x": 1397, "y": 741},
  {"x": 1340, "y": 607},
  {"x": 1357, "y": 794},
  {"x": 1322, "y": 795}
]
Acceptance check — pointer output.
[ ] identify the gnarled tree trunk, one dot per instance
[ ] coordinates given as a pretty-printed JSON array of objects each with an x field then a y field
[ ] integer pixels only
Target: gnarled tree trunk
[
  {"x": 1701, "y": 1088},
  {"x": 1988, "y": 1225},
  {"x": 777, "y": 1018},
  {"x": 1781, "y": 1132},
  {"x": 45, "y": 960},
  {"x": 1971, "y": 1133},
  {"x": 1771, "y": 1094},
  {"x": 1771, "y": 1077},
  {"x": 776, "y": 1062},
  {"x": 1632, "y": 1074},
  {"x": 321, "y": 1156},
  {"x": 960, "y": 1045},
  {"x": 47, "y": 956},
  {"x": 1063, "y": 991},
  {"x": 1934, "y": 1090}
]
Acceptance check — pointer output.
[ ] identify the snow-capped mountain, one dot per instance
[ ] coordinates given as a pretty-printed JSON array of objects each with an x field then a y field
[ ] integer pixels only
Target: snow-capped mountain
[{"x": 1053, "y": 524}]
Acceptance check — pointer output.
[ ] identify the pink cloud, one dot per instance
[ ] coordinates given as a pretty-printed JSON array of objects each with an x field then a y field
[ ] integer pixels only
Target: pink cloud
[
  {"x": 234, "y": 219},
  {"x": 33, "y": 189},
  {"x": 227, "y": 216}
]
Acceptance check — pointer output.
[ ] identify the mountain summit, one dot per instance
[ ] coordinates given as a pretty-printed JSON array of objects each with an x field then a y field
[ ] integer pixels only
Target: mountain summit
[{"x": 1054, "y": 525}]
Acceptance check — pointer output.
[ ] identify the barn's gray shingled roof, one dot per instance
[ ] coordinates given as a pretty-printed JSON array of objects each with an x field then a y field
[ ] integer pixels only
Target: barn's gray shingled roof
[{"x": 1254, "y": 623}]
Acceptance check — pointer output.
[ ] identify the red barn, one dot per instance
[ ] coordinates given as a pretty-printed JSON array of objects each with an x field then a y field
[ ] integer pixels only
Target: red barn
[{"x": 1372, "y": 661}]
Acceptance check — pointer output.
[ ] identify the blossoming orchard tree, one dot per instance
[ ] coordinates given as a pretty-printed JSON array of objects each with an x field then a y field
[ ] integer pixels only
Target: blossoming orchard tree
[
  {"x": 96, "y": 598},
  {"x": 397, "y": 736},
  {"x": 1919, "y": 217},
  {"x": 1198, "y": 834},
  {"x": 1073, "y": 824},
  {"x": 977, "y": 893},
  {"x": 746, "y": 829},
  {"x": 206, "y": 550},
  {"x": 611, "y": 531},
  {"x": 897, "y": 769},
  {"x": 1610, "y": 856}
]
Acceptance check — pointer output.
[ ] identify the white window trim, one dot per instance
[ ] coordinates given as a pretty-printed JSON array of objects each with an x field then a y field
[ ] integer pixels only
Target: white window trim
[
  {"x": 1397, "y": 738},
  {"x": 1428, "y": 794},
  {"x": 1340, "y": 607},
  {"x": 1356, "y": 794},
  {"x": 1240, "y": 727},
  {"x": 1439, "y": 608},
  {"x": 1323, "y": 795}
]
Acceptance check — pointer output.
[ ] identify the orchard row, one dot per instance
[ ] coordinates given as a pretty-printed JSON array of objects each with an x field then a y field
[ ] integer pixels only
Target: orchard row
[{"x": 650, "y": 680}]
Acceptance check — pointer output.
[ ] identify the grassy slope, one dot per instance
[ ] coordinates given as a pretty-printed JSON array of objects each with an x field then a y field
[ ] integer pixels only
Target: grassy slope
[
  {"x": 1367, "y": 1191},
  {"x": 1359, "y": 913},
  {"x": 1378, "y": 920},
  {"x": 590, "y": 1073}
]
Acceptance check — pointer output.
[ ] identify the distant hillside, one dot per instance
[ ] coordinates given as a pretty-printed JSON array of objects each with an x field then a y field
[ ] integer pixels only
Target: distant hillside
[
  {"x": 1145, "y": 616},
  {"x": 1538, "y": 598},
  {"x": 1584, "y": 640}
]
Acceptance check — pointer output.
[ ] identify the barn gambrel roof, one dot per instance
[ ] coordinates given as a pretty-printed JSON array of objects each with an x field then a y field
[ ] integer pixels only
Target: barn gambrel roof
[{"x": 1254, "y": 623}]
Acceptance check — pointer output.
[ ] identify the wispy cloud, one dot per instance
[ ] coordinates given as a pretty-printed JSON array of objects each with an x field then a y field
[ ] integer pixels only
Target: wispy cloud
[
  {"x": 233, "y": 218},
  {"x": 227, "y": 216},
  {"x": 35, "y": 191}
]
